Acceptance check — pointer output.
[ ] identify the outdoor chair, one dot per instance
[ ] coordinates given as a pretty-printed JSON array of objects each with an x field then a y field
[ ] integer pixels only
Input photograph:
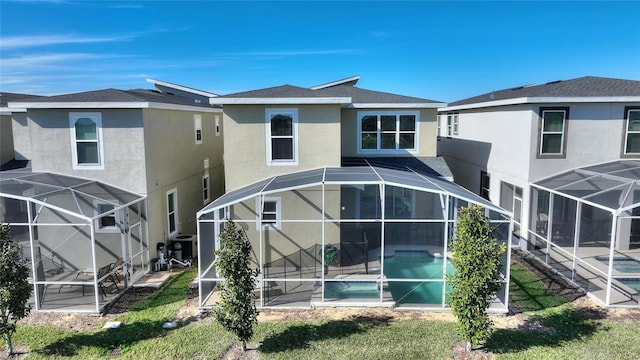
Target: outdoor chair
[{"x": 105, "y": 279}]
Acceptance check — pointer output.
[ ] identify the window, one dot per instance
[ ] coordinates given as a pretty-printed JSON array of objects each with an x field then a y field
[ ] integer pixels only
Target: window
[
  {"x": 197, "y": 126},
  {"x": 632, "y": 131},
  {"x": 217, "y": 117},
  {"x": 485, "y": 183},
  {"x": 270, "y": 214},
  {"x": 387, "y": 132},
  {"x": 106, "y": 223},
  {"x": 172, "y": 211},
  {"x": 552, "y": 131},
  {"x": 452, "y": 124},
  {"x": 206, "y": 196},
  {"x": 282, "y": 133},
  {"x": 438, "y": 126},
  {"x": 86, "y": 140}
]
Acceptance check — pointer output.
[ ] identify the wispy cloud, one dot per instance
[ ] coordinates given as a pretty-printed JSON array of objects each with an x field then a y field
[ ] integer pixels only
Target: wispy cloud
[
  {"x": 16, "y": 42},
  {"x": 299, "y": 52}
]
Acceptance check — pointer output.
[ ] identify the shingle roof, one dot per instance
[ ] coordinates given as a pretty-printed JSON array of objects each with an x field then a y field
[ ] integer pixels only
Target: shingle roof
[
  {"x": 5, "y": 97},
  {"x": 357, "y": 95},
  {"x": 360, "y": 96},
  {"x": 588, "y": 86},
  {"x": 116, "y": 96},
  {"x": 284, "y": 91}
]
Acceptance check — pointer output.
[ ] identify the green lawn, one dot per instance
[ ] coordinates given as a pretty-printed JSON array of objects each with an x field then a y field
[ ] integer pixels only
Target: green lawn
[{"x": 569, "y": 334}]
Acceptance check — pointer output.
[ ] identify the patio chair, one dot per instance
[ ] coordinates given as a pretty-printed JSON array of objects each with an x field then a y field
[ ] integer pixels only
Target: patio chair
[
  {"x": 106, "y": 280},
  {"x": 117, "y": 269}
]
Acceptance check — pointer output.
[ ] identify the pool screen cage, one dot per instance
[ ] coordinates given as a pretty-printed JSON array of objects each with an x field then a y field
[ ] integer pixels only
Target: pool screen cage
[
  {"x": 85, "y": 241},
  {"x": 348, "y": 236},
  {"x": 585, "y": 224}
]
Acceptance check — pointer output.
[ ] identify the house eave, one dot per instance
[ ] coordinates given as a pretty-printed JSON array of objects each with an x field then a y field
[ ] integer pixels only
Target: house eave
[
  {"x": 273, "y": 101},
  {"x": 396, "y": 105},
  {"x": 544, "y": 100},
  {"x": 108, "y": 105}
]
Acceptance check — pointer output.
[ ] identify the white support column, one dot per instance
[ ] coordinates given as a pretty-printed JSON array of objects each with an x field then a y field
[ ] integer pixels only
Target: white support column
[{"x": 611, "y": 253}]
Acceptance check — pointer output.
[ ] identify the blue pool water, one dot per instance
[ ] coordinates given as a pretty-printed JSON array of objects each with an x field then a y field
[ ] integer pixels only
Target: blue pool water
[
  {"x": 632, "y": 283},
  {"x": 399, "y": 265},
  {"x": 416, "y": 265},
  {"x": 625, "y": 265}
]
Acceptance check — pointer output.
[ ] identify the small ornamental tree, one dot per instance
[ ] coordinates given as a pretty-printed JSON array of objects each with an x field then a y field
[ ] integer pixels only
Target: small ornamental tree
[
  {"x": 476, "y": 258},
  {"x": 14, "y": 286},
  {"x": 237, "y": 312}
]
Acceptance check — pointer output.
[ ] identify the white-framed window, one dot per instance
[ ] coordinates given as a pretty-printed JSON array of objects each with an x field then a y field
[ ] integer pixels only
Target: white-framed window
[
  {"x": 388, "y": 132},
  {"x": 172, "y": 212},
  {"x": 452, "y": 124},
  {"x": 485, "y": 185},
  {"x": 217, "y": 120},
  {"x": 86, "y": 140},
  {"x": 632, "y": 131},
  {"x": 107, "y": 223},
  {"x": 270, "y": 213},
  {"x": 197, "y": 128},
  {"x": 282, "y": 136},
  {"x": 206, "y": 188},
  {"x": 438, "y": 125},
  {"x": 553, "y": 131}
]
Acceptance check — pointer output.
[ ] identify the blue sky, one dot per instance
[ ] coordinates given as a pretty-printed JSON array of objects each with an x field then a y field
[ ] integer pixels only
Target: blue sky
[{"x": 437, "y": 50}]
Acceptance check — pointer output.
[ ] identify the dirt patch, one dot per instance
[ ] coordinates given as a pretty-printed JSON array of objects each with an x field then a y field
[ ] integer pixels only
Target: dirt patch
[{"x": 235, "y": 352}]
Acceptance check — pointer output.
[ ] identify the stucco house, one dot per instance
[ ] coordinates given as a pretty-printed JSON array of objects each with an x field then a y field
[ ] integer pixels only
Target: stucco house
[
  {"x": 342, "y": 196},
  {"x": 134, "y": 167},
  {"x": 563, "y": 157}
]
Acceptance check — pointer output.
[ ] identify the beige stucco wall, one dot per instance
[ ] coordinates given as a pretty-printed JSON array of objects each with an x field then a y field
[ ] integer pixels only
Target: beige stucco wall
[
  {"x": 175, "y": 161},
  {"x": 245, "y": 141},
  {"x": 427, "y": 143}
]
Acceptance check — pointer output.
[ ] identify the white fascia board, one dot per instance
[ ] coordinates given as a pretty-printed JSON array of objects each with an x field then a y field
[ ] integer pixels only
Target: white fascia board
[
  {"x": 9, "y": 111},
  {"x": 544, "y": 100},
  {"x": 337, "y": 82},
  {"x": 181, "y": 88},
  {"x": 272, "y": 101},
  {"x": 109, "y": 105},
  {"x": 397, "y": 105}
]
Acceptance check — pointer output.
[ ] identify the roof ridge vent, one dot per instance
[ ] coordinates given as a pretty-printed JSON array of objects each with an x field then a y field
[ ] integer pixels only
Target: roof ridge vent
[{"x": 554, "y": 82}]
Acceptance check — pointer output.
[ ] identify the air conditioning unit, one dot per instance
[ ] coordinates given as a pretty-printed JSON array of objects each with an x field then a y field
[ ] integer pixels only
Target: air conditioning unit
[{"x": 187, "y": 248}]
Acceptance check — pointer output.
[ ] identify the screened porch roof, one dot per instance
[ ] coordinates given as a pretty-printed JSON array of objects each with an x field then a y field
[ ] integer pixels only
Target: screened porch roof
[
  {"x": 67, "y": 194},
  {"x": 613, "y": 186},
  {"x": 401, "y": 177}
]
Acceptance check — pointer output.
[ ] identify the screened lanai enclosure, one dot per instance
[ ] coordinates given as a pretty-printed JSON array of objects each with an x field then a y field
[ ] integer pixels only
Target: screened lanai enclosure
[
  {"x": 349, "y": 236},
  {"x": 85, "y": 241},
  {"x": 586, "y": 225}
]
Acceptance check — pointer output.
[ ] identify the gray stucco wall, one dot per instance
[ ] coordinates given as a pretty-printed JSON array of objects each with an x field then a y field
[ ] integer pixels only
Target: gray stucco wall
[
  {"x": 51, "y": 146},
  {"x": 6, "y": 139},
  {"x": 21, "y": 136},
  {"x": 175, "y": 161}
]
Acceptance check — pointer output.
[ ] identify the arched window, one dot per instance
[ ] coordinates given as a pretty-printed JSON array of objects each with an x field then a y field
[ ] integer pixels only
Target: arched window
[{"x": 86, "y": 138}]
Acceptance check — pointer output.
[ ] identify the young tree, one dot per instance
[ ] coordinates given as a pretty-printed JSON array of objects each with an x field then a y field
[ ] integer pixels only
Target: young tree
[
  {"x": 476, "y": 258},
  {"x": 14, "y": 286},
  {"x": 236, "y": 312}
]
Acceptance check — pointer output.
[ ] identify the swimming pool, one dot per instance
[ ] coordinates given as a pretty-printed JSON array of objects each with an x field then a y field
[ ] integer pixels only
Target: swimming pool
[
  {"x": 625, "y": 265},
  {"x": 351, "y": 290},
  {"x": 416, "y": 265},
  {"x": 632, "y": 283}
]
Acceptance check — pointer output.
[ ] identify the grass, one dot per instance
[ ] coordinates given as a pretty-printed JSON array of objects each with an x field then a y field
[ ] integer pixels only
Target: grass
[{"x": 569, "y": 333}]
